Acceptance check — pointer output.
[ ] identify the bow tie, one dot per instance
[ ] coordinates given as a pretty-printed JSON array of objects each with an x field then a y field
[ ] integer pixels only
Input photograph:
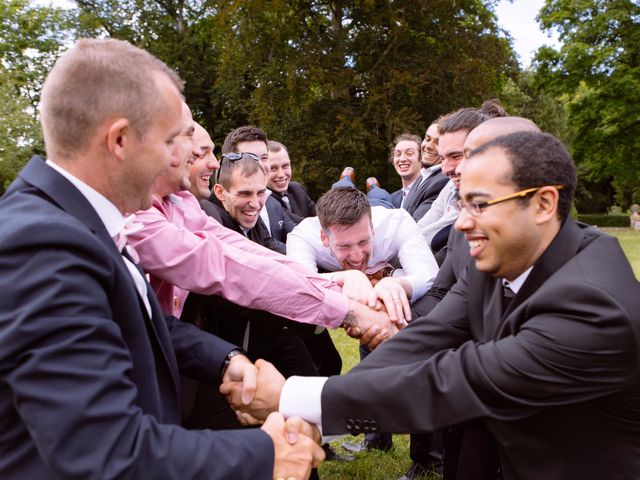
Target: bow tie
[{"x": 130, "y": 227}]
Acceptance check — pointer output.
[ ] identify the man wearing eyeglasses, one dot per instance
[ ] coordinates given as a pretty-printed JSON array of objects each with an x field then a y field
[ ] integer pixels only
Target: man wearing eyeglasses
[{"x": 539, "y": 339}]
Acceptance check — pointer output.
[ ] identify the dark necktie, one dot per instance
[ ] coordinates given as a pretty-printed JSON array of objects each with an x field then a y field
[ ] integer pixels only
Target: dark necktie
[
  {"x": 286, "y": 201},
  {"x": 507, "y": 297}
]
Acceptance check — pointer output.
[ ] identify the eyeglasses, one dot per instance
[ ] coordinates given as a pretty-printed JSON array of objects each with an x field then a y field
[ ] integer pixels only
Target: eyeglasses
[
  {"x": 475, "y": 208},
  {"x": 233, "y": 157}
]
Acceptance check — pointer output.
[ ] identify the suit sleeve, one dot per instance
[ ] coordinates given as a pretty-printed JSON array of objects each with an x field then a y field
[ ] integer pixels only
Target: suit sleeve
[
  {"x": 576, "y": 345},
  {"x": 65, "y": 362}
]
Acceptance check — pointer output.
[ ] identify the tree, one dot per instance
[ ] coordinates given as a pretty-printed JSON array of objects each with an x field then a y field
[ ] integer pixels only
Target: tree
[
  {"x": 31, "y": 38},
  {"x": 597, "y": 71}
]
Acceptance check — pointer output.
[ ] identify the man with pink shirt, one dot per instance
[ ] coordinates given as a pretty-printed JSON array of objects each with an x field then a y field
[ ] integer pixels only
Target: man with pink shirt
[{"x": 183, "y": 250}]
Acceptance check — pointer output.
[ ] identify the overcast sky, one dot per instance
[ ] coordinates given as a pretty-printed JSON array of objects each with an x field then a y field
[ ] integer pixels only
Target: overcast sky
[{"x": 519, "y": 19}]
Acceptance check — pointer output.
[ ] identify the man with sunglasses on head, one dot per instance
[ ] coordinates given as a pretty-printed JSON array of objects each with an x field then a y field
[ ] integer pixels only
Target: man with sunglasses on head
[{"x": 539, "y": 338}]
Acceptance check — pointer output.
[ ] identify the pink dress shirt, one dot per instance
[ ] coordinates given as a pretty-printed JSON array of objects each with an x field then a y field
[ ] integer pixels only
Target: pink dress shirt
[{"x": 183, "y": 250}]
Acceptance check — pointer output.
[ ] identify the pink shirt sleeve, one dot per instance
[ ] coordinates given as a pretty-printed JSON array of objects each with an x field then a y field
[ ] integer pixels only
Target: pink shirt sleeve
[{"x": 183, "y": 246}]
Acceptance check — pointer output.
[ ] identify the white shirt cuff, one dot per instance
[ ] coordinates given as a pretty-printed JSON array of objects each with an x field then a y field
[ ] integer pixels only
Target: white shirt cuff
[{"x": 301, "y": 397}]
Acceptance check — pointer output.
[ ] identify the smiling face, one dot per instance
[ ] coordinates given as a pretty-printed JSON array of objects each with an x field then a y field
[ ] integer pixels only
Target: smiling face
[
  {"x": 429, "y": 147},
  {"x": 280, "y": 173},
  {"x": 451, "y": 148},
  {"x": 406, "y": 160},
  {"x": 206, "y": 164},
  {"x": 352, "y": 244},
  {"x": 505, "y": 239},
  {"x": 245, "y": 196}
]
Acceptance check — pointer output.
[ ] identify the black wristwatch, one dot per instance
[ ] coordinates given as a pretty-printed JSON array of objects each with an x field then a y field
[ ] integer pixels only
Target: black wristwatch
[{"x": 227, "y": 360}]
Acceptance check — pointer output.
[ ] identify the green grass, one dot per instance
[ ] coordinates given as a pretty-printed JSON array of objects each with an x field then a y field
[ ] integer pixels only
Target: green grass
[{"x": 385, "y": 466}]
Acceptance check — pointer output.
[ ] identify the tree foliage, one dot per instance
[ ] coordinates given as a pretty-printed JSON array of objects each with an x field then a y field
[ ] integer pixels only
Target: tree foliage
[
  {"x": 31, "y": 39},
  {"x": 597, "y": 73},
  {"x": 333, "y": 80}
]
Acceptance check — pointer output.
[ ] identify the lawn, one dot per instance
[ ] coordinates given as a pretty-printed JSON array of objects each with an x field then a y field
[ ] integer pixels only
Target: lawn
[{"x": 386, "y": 466}]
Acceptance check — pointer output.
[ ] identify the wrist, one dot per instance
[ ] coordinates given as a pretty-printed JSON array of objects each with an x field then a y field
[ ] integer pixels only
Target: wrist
[{"x": 227, "y": 361}]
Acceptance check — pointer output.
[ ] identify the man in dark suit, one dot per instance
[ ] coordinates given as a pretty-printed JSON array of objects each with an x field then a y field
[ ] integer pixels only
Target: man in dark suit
[
  {"x": 405, "y": 157},
  {"x": 539, "y": 338},
  {"x": 251, "y": 139},
  {"x": 87, "y": 356},
  {"x": 431, "y": 180},
  {"x": 292, "y": 196}
]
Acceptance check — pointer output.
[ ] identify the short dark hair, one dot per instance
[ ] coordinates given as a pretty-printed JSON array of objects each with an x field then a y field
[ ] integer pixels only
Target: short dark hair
[
  {"x": 342, "y": 206},
  {"x": 409, "y": 137},
  {"x": 470, "y": 118},
  {"x": 246, "y": 165},
  {"x": 247, "y": 133},
  {"x": 537, "y": 160},
  {"x": 275, "y": 147}
]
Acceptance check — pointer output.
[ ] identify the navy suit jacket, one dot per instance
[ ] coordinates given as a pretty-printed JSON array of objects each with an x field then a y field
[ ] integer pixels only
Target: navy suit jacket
[
  {"x": 301, "y": 204},
  {"x": 555, "y": 378},
  {"x": 419, "y": 202},
  {"x": 90, "y": 382},
  {"x": 280, "y": 223}
]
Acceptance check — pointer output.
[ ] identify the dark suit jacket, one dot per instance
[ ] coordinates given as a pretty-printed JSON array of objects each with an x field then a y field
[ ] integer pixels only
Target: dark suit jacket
[
  {"x": 90, "y": 383},
  {"x": 301, "y": 204},
  {"x": 396, "y": 198},
  {"x": 280, "y": 223},
  {"x": 419, "y": 202},
  {"x": 555, "y": 379}
]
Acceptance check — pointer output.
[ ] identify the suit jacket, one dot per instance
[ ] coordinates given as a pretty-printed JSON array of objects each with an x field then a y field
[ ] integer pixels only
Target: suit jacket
[
  {"x": 396, "y": 198},
  {"x": 301, "y": 204},
  {"x": 420, "y": 198},
  {"x": 555, "y": 378},
  {"x": 280, "y": 223},
  {"x": 258, "y": 234},
  {"x": 90, "y": 383}
]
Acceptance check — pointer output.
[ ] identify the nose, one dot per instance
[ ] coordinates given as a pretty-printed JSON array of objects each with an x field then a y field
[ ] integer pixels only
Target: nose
[
  {"x": 356, "y": 255},
  {"x": 464, "y": 222},
  {"x": 213, "y": 163}
]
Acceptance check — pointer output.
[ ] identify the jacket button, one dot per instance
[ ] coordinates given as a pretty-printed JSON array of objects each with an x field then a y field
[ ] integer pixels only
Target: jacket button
[
  {"x": 349, "y": 424},
  {"x": 357, "y": 424}
]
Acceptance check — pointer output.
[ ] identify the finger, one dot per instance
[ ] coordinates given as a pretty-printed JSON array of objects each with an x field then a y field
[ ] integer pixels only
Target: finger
[
  {"x": 372, "y": 299},
  {"x": 247, "y": 419},
  {"x": 406, "y": 308},
  {"x": 318, "y": 455},
  {"x": 370, "y": 334},
  {"x": 292, "y": 427},
  {"x": 376, "y": 340},
  {"x": 233, "y": 392},
  {"x": 390, "y": 303},
  {"x": 249, "y": 381}
]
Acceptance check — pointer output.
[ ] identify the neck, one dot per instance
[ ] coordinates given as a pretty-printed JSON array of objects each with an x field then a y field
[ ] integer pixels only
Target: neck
[{"x": 406, "y": 181}]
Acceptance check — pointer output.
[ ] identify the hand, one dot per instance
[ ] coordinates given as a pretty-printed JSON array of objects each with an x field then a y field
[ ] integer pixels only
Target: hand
[
  {"x": 394, "y": 293},
  {"x": 242, "y": 372},
  {"x": 265, "y": 400},
  {"x": 374, "y": 336},
  {"x": 295, "y": 453},
  {"x": 361, "y": 319},
  {"x": 356, "y": 286}
]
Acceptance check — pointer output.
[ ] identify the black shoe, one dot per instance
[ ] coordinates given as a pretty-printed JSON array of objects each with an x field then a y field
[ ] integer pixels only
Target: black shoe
[
  {"x": 367, "y": 446},
  {"x": 415, "y": 472},
  {"x": 330, "y": 455}
]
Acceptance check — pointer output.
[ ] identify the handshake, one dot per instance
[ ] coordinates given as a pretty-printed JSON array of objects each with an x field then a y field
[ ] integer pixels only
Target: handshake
[{"x": 253, "y": 391}]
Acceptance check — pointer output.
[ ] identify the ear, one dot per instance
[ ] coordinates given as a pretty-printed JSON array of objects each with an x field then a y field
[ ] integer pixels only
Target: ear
[
  {"x": 324, "y": 238},
  {"x": 546, "y": 204},
  {"x": 219, "y": 192},
  {"x": 119, "y": 134}
]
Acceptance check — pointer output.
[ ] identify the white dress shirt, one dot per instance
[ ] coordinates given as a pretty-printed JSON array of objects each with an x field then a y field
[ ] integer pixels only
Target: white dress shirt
[
  {"x": 396, "y": 237},
  {"x": 442, "y": 213}
]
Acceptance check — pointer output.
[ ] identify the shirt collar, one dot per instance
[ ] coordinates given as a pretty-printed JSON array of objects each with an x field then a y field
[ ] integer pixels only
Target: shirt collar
[
  {"x": 517, "y": 283},
  {"x": 109, "y": 214},
  {"x": 427, "y": 172}
]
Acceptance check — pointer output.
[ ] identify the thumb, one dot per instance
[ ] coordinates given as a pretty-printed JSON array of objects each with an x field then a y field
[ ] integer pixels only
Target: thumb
[
  {"x": 372, "y": 299},
  {"x": 292, "y": 427},
  {"x": 248, "y": 384}
]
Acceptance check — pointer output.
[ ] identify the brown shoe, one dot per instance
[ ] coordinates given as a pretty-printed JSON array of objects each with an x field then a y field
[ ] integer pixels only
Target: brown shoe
[
  {"x": 372, "y": 182},
  {"x": 349, "y": 172}
]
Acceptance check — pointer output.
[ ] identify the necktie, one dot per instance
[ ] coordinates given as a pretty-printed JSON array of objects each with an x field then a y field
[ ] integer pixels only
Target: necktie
[
  {"x": 507, "y": 297},
  {"x": 286, "y": 201}
]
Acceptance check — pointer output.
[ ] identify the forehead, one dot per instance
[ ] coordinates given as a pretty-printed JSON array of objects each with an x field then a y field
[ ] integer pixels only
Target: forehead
[
  {"x": 485, "y": 172},
  {"x": 201, "y": 137},
  {"x": 279, "y": 157},
  {"x": 240, "y": 181},
  {"x": 361, "y": 230},
  {"x": 186, "y": 118},
  {"x": 452, "y": 141},
  {"x": 257, "y": 147},
  {"x": 479, "y": 136},
  {"x": 432, "y": 131},
  {"x": 406, "y": 144}
]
